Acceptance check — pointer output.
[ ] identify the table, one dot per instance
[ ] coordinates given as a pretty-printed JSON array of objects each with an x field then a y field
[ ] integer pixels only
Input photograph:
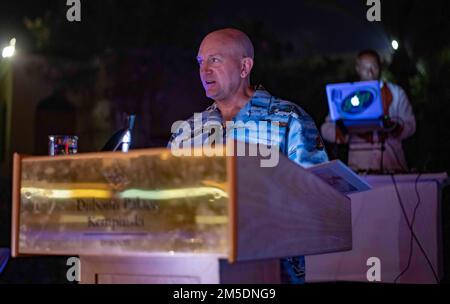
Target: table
[{"x": 380, "y": 230}]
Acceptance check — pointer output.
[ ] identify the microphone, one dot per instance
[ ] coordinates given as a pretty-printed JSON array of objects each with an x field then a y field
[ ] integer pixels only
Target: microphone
[
  {"x": 121, "y": 137},
  {"x": 126, "y": 138}
]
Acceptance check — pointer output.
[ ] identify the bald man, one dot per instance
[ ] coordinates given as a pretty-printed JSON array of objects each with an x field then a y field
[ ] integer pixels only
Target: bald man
[{"x": 225, "y": 59}]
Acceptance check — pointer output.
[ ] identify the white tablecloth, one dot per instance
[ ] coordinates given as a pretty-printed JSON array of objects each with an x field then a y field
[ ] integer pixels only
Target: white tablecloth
[{"x": 380, "y": 230}]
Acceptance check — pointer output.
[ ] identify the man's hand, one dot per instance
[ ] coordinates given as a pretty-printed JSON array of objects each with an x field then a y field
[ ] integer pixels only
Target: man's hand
[{"x": 392, "y": 127}]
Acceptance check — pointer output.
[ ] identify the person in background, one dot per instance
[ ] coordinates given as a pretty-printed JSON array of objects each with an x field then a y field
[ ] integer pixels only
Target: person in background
[{"x": 376, "y": 150}]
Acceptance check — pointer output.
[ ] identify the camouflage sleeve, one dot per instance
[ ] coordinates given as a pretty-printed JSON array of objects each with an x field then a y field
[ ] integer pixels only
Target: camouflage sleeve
[{"x": 304, "y": 143}]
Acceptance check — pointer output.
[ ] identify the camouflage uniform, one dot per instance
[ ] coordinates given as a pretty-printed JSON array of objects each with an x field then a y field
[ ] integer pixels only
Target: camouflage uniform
[{"x": 298, "y": 138}]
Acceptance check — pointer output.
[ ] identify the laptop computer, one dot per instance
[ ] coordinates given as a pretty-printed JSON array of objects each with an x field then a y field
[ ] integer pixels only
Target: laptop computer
[{"x": 357, "y": 104}]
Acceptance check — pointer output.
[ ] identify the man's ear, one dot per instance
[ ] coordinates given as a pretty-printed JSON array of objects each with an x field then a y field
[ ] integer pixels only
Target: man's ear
[{"x": 246, "y": 66}]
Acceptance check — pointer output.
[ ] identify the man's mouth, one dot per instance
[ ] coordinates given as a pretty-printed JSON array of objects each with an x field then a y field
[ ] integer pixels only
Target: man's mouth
[{"x": 209, "y": 82}]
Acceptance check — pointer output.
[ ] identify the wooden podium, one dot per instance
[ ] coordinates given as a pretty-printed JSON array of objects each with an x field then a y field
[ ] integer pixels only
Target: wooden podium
[{"x": 148, "y": 216}]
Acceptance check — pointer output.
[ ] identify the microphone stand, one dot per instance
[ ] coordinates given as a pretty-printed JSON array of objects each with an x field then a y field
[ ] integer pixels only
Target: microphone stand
[
  {"x": 126, "y": 138},
  {"x": 122, "y": 137},
  {"x": 382, "y": 153}
]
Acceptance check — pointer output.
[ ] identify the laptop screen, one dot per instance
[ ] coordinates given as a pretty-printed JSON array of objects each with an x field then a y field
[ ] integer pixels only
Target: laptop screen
[{"x": 355, "y": 101}]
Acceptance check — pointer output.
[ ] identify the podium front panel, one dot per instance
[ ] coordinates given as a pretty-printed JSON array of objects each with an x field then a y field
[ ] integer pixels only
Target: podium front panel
[{"x": 138, "y": 203}]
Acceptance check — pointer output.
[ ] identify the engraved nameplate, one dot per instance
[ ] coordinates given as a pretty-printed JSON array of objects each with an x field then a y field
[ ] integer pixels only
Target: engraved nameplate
[{"x": 142, "y": 202}]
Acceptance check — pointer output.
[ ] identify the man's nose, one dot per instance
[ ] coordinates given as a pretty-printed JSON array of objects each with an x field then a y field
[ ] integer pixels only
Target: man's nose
[{"x": 367, "y": 74}]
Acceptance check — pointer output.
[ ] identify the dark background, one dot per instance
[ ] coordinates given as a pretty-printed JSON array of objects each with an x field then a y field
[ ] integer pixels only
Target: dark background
[{"x": 139, "y": 56}]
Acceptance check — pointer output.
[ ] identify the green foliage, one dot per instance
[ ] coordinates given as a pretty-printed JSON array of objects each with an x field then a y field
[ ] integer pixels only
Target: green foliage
[
  {"x": 39, "y": 30},
  {"x": 423, "y": 68}
]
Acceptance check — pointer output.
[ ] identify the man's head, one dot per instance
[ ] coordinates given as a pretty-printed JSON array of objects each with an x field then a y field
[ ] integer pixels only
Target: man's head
[
  {"x": 368, "y": 65},
  {"x": 225, "y": 58}
]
